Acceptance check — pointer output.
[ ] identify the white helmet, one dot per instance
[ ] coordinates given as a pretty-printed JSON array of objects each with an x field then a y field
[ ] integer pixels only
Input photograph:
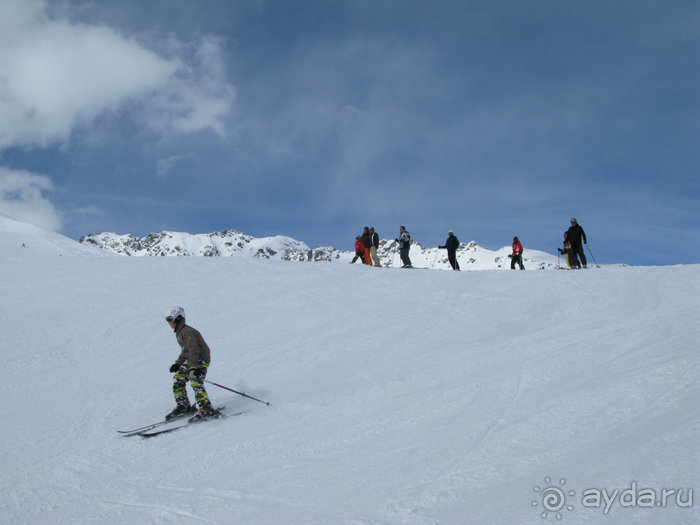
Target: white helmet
[{"x": 174, "y": 313}]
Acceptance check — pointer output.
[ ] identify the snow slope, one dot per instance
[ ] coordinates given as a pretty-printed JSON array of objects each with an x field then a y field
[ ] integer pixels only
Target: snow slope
[
  {"x": 19, "y": 239},
  {"x": 397, "y": 396}
]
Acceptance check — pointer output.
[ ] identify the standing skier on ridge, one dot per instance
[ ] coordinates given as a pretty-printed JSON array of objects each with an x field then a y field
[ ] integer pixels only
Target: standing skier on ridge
[
  {"x": 374, "y": 245},
  {"x": 517, "y": 256},
  {"x": 575, "y": 234},
  {"x": 367, "y": 242},
  {"x": 404, "y": 241},
  {"x": 451, "y": 245},
  {"x": 359, "y": 250},
  {"x": 190, "y": 366}
]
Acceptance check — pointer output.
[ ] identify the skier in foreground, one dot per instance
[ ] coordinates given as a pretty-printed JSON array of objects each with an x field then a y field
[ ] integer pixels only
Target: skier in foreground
[{"x": 190, "y": 366}]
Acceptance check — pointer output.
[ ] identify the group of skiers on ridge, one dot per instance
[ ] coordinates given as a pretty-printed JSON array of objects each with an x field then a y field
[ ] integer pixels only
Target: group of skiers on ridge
[{"x": 366, "y": 246}]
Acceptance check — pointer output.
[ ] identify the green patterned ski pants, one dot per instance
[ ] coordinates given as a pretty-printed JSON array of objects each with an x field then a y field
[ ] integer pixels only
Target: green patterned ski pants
[{"x": 180, "y": 386}]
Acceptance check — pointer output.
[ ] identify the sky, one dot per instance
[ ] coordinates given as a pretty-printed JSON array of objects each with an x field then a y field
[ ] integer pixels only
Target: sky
[{"x": 312, "y": 119}]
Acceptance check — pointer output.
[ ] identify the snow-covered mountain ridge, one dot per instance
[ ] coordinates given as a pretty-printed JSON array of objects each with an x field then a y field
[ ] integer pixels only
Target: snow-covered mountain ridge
[
  {"x": 231, "y": 243},
  {"x": 225, "y": 243}
]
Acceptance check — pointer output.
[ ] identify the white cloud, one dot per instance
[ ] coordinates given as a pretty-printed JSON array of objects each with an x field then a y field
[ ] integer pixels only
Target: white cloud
[
  {"x": 164, "y": 165},
  {"x": 56, "y": 75},
  {"x": 197, "y": 96},
  {"x": 23, "y": 198}
]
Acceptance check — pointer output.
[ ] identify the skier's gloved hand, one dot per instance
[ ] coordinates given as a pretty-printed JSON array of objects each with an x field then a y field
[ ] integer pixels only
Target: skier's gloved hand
[
  {"x": 192, "y": 374},
  {"x": 174, "y": 368}
]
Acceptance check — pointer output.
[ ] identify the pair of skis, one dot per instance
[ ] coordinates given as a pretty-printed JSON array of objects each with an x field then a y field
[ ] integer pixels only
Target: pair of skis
[{"x": 153, "y": 429}]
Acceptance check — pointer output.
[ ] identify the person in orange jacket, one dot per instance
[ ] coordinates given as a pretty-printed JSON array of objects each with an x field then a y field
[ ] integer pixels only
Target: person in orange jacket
[
  {"x": 517, "y": 256},
  {"x": 367, "y": 242}
]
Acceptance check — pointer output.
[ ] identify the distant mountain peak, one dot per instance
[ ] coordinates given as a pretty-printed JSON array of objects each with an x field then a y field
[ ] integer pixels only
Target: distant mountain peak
[{"x": 232, "y": 243}]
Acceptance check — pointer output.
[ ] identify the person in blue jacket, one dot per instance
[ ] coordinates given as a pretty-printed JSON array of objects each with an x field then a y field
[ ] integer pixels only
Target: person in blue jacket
[{"x": 451, "y": 245}]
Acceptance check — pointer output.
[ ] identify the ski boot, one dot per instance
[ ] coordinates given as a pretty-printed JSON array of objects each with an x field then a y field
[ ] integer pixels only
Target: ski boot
[
  {"x": 181, "y": 410},
  {"x": 205, "y": 413}
]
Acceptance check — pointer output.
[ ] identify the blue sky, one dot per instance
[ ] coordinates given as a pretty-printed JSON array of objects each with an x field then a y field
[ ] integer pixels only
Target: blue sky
[{"x": 315, "y": 118}]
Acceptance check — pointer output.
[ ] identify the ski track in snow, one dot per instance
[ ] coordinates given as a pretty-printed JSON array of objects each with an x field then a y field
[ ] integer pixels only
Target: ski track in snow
[{"x": 396, "y": 397}]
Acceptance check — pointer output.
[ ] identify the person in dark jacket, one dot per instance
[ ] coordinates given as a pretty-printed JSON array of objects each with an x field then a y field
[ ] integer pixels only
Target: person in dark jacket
[
  {"x": 571, "y": 259},
  {"x": 451, "y": 245},
  {"x": 574, "y": 235},
  {"x": 191, "y": 365},
  {"x": 517, "y": 256},
  {"x": 404, "y": 241},
  {"x": 374, "y": 245}
]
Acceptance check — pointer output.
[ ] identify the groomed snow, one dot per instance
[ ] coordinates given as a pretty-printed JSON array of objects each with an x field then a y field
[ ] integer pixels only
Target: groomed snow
[{"x": 397, "y": 396}]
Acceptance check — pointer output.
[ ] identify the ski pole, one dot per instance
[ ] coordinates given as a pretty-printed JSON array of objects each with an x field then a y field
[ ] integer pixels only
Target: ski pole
[
  {"x": 237, "y": 392},
  {"x": 589, "y": 251}
]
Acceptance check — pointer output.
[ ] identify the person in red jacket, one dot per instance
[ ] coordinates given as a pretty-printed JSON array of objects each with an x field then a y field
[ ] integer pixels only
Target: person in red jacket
[
  {"x": 517, "y": 255},
  {"x": 359, "y": 250}
]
